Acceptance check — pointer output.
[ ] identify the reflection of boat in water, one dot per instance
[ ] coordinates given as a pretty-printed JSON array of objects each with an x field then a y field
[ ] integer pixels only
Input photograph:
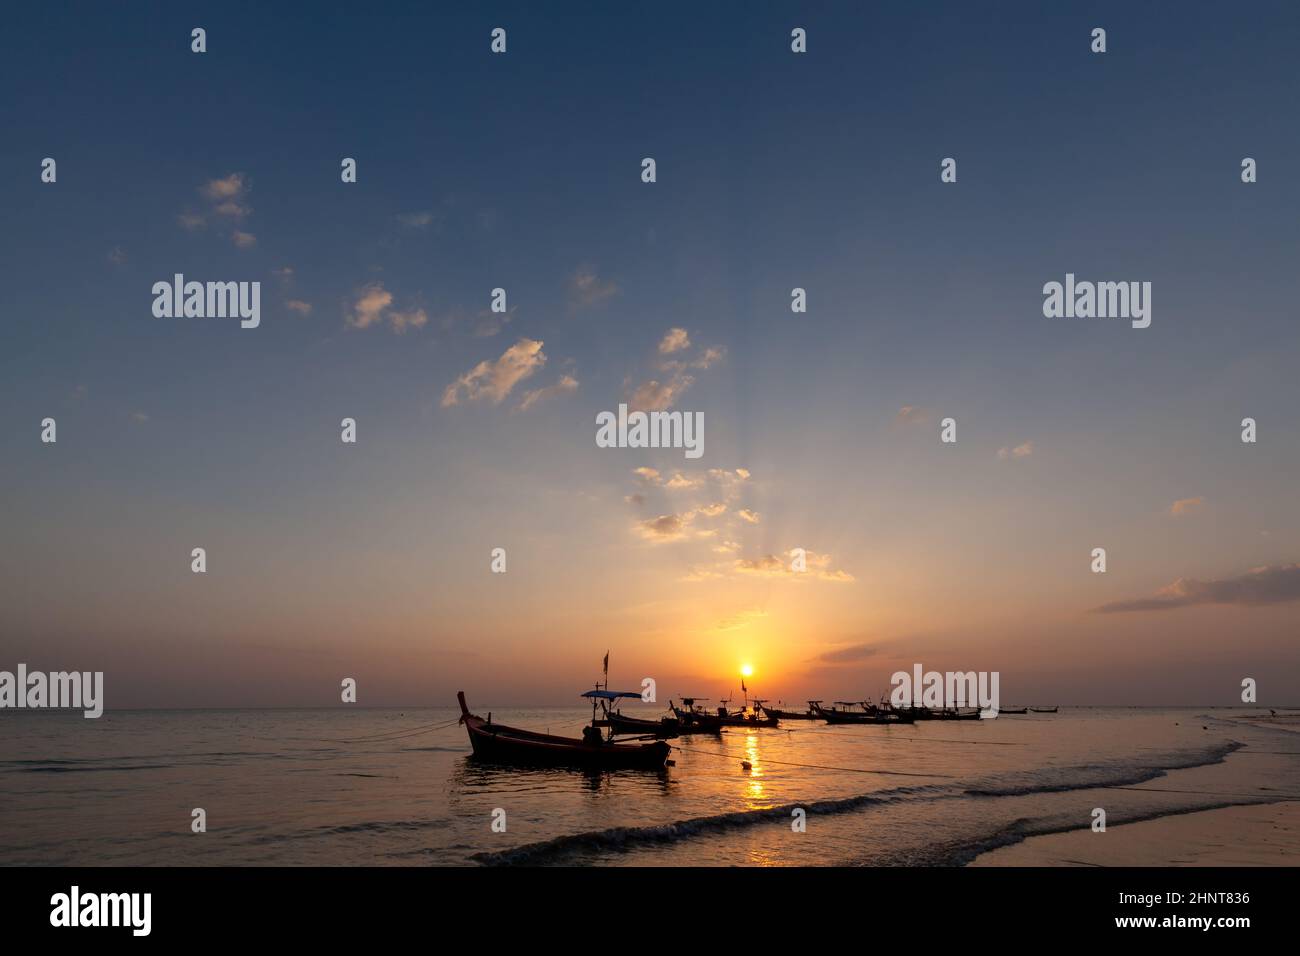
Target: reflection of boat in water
[
  {"x": 498, "y": 743},
  {"x": 859, "y": 712}
]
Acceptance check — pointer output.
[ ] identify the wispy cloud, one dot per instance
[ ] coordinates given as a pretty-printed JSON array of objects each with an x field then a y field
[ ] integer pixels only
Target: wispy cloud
[
  {"x": 372, "y": 305},
  {"x": 299, "y": 306},
  {"x": 493, "y": 381},
  {"x": 850, "y": 654},
  {"x": 1186, "y": 506},
  {"x": 226, "y": 198},
  {"x": 587, "y": 289},
  {"x": 1020, "y": 451},
  {"x": 665, "y": 389},
  {"x": 1258, "y": 586},
  {"x": 911, "y": 415},
  {"x": 674, "y": 340},
  {"x": 415, "y": 220},
  {"x": 566, "y": 385}
]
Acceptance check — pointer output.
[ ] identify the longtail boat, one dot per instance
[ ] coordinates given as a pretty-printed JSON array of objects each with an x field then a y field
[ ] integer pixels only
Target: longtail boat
[
  {"x": 663, "y": 727},
  {"x": 497, "y": 743},
  {"x": 1012, "y": 710},
  {"x": 866, "y": 713},
  {"x": 786, "y": 714},
  {"x": 943, "y": 713},
  {"x": 1044, "y": 710},
  {"x": 692, "y": 714}
]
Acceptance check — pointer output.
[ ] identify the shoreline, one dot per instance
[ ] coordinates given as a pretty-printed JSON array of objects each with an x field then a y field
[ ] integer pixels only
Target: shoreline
[{"x": 1260, "y": 834}]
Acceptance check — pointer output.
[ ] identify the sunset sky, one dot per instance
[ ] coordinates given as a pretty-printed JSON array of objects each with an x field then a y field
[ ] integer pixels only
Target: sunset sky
[{"x": 477, "y": 431}]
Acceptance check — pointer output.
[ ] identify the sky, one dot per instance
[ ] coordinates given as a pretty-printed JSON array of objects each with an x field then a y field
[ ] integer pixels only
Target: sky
[{"x": 476, "y": 430}]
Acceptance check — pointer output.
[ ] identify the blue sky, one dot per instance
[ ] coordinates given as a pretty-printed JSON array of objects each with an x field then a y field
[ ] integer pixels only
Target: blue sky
[{"x": 522, "y": 171}]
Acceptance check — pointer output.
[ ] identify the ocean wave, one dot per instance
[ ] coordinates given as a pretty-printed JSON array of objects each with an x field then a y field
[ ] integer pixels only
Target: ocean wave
[{"x": 619, "y": 839}]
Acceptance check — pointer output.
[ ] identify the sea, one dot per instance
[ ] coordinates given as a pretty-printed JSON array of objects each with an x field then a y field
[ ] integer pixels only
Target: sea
[{"x": 398, "y": 787}]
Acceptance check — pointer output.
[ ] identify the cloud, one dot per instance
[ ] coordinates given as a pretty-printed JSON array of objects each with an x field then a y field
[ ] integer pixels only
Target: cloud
[
  {"x": 1020, "y": 451},
  {"x": 1186, "y": 506},
  {"x": 372, "y": 306},
  {"x": 750, "y": 517},
  {"x": 226, "y": 188},
  {"x": 674, "y": 340},
  {"x": 664, "y": 528},
  {"x": 493, "y": 381},
  {"x": 849, "y": 654},
  {"x": 415, "y": 220},
  {"x": 817, "y": 566},
  {"x": 661, "y": 393},
  {"x": 587, "y": 289},
  {"x": 228, "y": 195},
  {"x": 680, "y": 482},
  {"x": 656, "y": 396},
  {"x": 911, "y": 415},
  {"x": 401, "y": 321},
  {"x": 368, "y": 309},
  {"x": 299, "y": 306},
  {"x": 117, "y": 256},
  {"x": 566, "y": 385},
  {"x": 1257, "y": 587}
]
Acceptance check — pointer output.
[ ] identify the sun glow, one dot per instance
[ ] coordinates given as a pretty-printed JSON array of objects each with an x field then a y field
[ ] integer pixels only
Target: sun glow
[{"x": 746, "y": 670}]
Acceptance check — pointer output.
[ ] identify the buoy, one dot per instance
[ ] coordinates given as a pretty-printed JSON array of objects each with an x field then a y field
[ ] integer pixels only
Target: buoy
[{"x": 746, "y": 765}]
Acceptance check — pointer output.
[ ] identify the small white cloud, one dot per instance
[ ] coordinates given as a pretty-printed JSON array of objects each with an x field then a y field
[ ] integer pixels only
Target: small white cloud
[
  {"x": 587, "y": 289},
  {"x": 674, "y": 340},
  {"x": 493, "y": 381},
  {"x": 567, "y": 384},
  {"x": 1020, "y": 451}
]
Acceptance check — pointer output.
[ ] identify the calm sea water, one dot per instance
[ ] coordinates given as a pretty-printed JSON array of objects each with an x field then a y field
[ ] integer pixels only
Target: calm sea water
[{"x": 308, "y": 787}]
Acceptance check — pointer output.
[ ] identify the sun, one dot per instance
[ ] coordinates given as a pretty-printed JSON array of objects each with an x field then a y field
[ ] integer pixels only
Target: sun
[{"x": 746, "y": 670}]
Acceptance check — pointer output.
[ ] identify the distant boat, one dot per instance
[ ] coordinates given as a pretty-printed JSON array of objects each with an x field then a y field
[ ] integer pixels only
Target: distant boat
[
  {"x": 691, "y": 714},
  {"x": 497, "y": 743},
  {"x": 786, "y": 714},
  {"x": 866, "y": 713},
  {"x": 943, "y": 713},
  {"x": 1012, "y": 710},
  {"x": 663, "y": 727},
  {"x": 1043, "y": 710}
]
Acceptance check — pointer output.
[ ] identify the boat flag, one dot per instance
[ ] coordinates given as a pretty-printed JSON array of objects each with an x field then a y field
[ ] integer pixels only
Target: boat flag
[{"x": 607, "y": 665}]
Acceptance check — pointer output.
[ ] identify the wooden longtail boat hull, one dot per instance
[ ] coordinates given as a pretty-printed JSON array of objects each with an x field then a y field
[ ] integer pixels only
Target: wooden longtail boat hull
[
  {"x": 665, "y": 726},
  {"x": 713, "y": 722},
  {"x": 1043, "y": 710},
  {"x": 497, "y": 743},
  {"x": 790, "y": 714}
]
